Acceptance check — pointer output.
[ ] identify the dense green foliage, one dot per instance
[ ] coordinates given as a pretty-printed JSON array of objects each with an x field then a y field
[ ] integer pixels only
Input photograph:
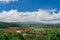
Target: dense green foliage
[
  {"x": 39, "y": 32},
  {"x": 51, "y": 34},
  {"x": 11, "y": 36}
]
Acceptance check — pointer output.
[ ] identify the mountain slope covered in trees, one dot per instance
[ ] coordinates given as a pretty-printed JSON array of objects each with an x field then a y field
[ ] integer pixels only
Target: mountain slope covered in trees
[{"x": 5, "y": 25}]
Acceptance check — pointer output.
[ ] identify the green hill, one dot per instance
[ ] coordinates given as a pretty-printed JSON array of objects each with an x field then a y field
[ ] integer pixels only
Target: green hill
[{"x": 5, "y": 25}]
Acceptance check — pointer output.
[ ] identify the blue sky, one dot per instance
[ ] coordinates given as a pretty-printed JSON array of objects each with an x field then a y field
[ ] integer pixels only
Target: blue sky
[
  {"x": 43, "y": 11},
  {"x": 31, "y": 5}
]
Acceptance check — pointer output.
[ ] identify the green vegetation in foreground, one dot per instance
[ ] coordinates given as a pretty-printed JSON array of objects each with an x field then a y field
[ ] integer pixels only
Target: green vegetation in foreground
[
  {"x": 43, "y": 34},
  {"x": 38, "y": 32}
]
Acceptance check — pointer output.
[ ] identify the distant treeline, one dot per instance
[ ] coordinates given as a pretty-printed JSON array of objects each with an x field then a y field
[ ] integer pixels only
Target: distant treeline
[{"x": 6, "y": 25}]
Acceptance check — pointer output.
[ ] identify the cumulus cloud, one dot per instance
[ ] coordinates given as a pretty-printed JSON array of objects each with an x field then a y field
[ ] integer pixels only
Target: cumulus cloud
[
  {"x": 7, "y": 1},
  {"x": 43, "y": 16}
]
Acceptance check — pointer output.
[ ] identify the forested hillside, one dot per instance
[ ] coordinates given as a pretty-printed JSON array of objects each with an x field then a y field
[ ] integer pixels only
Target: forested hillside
[{"x": 5, "y": 25}]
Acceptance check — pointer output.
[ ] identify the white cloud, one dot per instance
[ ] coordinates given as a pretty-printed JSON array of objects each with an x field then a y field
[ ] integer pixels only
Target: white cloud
[
  {"x": 41, "y": 15},
  {"x": 7, "y": 1}
]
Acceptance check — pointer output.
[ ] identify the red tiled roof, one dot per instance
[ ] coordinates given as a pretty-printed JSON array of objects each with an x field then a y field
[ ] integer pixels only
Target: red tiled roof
[{"x": 16, "y": 29}]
